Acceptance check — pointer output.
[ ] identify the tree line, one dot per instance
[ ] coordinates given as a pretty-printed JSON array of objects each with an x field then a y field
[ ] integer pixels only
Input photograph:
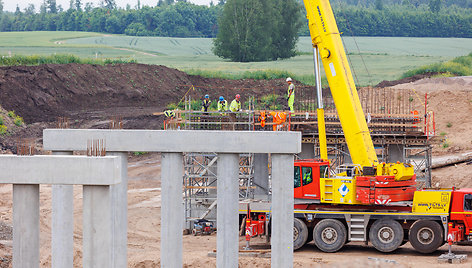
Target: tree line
[
  {"x": 404, "y": 20},
  {"x": 180, "y": 19}
]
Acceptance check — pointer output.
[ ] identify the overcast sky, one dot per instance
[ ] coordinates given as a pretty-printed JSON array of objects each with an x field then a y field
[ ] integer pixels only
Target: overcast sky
[{"x": 10, "y": 5}]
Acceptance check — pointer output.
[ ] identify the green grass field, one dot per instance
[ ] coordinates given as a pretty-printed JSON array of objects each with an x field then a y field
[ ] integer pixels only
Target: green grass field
[{"x": 373, "y": 59}]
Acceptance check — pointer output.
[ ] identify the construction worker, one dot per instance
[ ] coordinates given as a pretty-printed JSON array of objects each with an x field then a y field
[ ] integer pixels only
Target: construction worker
[
  {"x": 278, "y": 119},
  {"x": 222, "y": 104},
  {"x": 290, "y": 94},
  {"x": 206, "y": 103},
  {"x": 236, "y": 104}
]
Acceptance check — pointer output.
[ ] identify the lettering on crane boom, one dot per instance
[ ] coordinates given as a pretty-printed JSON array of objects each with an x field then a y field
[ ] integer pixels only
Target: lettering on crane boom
[{"x": 321, "y": 18}]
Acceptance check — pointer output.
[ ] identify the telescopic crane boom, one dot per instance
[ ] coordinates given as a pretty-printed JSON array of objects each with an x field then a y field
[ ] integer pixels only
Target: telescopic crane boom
[{"x": 326, "y": 37}]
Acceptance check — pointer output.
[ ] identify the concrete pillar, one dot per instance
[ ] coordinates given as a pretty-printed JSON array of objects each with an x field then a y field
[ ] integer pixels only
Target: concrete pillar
[
  {"x": 171, "y": 210},
  {"x": 282, "y": 211},
  {"x": 62, "y": 226},
  {"x": 227, "y": 240},
  {"x": 97, "y": 227},
  {"x": 308, "y": 151},
  {"x": 119, "y": 197},
  {"x": 25, "y": 225},
  {"x": 395, "y": 153},
  {"x": 261, "y": 175}
]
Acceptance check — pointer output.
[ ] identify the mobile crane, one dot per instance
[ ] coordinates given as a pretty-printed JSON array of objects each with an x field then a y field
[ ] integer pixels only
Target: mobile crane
[{"x": 367, "y": 201}]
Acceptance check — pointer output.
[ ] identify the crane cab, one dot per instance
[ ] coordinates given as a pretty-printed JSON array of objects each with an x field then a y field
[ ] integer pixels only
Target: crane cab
[{"x": 307, "y": 174}]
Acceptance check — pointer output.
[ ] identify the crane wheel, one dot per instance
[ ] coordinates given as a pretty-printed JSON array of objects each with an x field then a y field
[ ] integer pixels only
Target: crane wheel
[
  {"x": 386, "y": 235},
  {"x": 329, "y": 235},
  {"x": 300, "y": 234},
  {"x": 426, "y": 236}
]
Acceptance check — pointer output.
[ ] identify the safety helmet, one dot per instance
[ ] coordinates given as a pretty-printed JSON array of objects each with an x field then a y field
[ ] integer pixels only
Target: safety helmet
[
  {"x": 237, "y": 96},
  {"x": 221, "y": 98},
  {"x": 289, "y": 79},
  {"x": 207, "y": 96}
]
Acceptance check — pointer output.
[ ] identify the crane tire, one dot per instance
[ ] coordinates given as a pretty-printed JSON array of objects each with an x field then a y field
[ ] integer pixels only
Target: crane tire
[
  {"x": 329, "y": 235},
  {"x": 300, "y": 233},
  {"x": 426, "y": 236},
  {"x": 386, "y": 235}
]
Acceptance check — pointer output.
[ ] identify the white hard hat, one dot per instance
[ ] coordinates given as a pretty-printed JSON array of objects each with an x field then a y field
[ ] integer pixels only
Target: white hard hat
[{"x": 289, "y": 79}]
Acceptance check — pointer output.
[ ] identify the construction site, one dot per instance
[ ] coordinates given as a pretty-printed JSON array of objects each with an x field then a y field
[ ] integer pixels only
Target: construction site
[
  {"x": 400, "y": 123},
  {"x": 140, "y": 173},
  {"x": 412, "y": 139}
]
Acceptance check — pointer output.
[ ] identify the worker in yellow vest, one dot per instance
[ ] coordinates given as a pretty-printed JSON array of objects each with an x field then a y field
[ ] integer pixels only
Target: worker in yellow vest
[
  {"x": 290, "y": 94},
  {"x": 222, "y": 104},
  {"x": 206, "y": 104},
  {"x": 235, "y": 105}
]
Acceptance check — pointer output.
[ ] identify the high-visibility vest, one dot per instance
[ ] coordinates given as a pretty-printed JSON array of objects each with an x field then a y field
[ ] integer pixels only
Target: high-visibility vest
[
  {"x": 169, "y": 113},
  {"x": 262, "y": 118},
  {"x": 291, "y": 87},
  {"x": 235, "y": 106},
  {"x": 278, "y": 118},
  {"x": 205, "y": 105},
  {"x": 222, "y": 106}
]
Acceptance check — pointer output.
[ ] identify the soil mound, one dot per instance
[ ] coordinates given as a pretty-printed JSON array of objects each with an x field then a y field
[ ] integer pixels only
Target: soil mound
[
  {"x": 410, "y": 79},
  {"x": 42, "y": 93}
]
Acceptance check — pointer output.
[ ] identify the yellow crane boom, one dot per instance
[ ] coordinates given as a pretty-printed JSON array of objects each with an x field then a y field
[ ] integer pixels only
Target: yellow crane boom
[{"x": 326, "y": 37}]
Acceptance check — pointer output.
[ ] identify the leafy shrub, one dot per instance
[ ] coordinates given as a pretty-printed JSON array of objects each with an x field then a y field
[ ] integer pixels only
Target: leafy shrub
[
  {"x": 11, "y": 114},
  {"x": 18, "y": 121},
  {"x": 3, "y": 129}
]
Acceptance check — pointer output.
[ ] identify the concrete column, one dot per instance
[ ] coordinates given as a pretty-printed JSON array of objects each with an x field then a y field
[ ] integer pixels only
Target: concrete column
[
  {"x": 171, "y": 210},
  {"x": 261, "y": 175},
  {"x": 395, "y": 153},
  {"x": 119, "y": 197},
  {"x": 308, "y": 151},
  {"x": 25, "y": 225},
  {"x": 282, "y": 211},
  {"x": 62, "y": 226},
  {"x": 227, "y": 211},
  {"x": 97, "y": 227}
]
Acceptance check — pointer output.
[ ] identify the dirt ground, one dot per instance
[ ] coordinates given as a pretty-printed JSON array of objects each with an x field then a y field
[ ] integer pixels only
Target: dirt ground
[{"x": 88, "y": 95}]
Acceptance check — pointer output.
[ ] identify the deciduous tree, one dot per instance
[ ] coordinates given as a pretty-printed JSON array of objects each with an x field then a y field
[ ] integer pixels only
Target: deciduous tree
[{"x": 257, "y": 30}]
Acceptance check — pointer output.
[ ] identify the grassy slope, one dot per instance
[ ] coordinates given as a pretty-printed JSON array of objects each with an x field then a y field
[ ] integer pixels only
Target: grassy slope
[{"x": 379, "y": 58}]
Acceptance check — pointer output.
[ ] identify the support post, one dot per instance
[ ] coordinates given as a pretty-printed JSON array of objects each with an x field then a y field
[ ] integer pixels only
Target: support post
[
  {"x": 227, "y": 211},
  {"x": 282, "y": 211},
  {"x": 119, "y": 197},
  {"x": 26, "y": 225},
  {"x": 97, "y": 226},
  {"x": 62, "y": 226},
  {"x": 261, "y": 175},
  {"x": 171, "y": 210}
]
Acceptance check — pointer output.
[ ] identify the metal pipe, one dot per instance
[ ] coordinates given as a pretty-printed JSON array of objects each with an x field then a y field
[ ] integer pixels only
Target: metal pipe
[{"x": 316, "y": 59}]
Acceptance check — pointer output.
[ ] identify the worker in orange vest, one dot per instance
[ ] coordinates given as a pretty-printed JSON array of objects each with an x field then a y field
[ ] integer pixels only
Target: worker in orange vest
[{"x": 278, "y": 118}]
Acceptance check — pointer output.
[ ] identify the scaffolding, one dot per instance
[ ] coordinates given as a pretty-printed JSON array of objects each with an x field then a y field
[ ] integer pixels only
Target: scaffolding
[
  {"x": 200, "y": 184},
  {"x": 398, "y": 134}
]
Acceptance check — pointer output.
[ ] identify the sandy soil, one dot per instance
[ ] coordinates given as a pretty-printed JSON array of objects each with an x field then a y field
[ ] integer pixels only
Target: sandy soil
[
  {"x": 144, "y": 206},
  {"x": 31, "y": 90}
]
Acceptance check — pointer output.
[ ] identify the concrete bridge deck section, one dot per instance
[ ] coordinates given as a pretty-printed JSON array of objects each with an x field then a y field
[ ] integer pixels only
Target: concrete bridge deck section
[
  {"x": 64, "y": 169},
  {"x": 282, "y": 146},
  {"x": 26, "y": 173}
]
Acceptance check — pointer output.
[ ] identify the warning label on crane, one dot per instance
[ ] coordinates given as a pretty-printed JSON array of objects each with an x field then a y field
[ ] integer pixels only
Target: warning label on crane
[{"x": 343, "y": 190}]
